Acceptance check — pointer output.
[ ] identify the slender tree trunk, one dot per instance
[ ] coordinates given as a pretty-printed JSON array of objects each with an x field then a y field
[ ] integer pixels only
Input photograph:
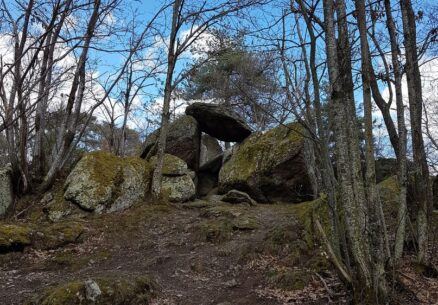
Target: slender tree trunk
[
  {"x": 165, "y": 116},
  {"x": 68, "y": 128},
  {"x": 377, "y": 223},
  {"x": 329, "y": 184},
  {"x": 423, "y": 196},
  {"x": 402, "y": 161}
]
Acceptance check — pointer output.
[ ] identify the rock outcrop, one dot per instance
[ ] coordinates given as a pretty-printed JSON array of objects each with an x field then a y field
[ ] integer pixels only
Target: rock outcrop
[
  {"x": 219, "y": 122},
  {"x": 210, "y": 149},
  {"x": 208, "y": 175},
  {"x": 6, "y": 194},
  {"x": 102, "y": 182},
  {"x": 183, "y": 141},
  {"x": 269, "y": 166}
]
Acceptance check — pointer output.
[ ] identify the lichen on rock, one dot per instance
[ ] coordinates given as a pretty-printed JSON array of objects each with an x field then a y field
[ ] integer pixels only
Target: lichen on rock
[
  {"x": 101, "y": 181},
  {"x": 178, "y": 189}
]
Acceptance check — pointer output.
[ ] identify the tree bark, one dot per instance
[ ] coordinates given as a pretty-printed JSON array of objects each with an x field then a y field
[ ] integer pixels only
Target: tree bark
[
  {"x": 422, "y": 194},
  {"x": 376, "y": 221},
  {"x": 401, "y": 125},
  {"x": 168, "y": 88}
]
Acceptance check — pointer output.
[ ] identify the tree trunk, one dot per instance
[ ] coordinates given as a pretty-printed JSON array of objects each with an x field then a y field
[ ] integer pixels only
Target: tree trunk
[
  {"x": 422, "y": 193},
  {"x": 68, "y": 128},
  {"x": 401, "y": 125},
  {"x": 165, "y": 116},
  {"x": 376, "y": 222}
]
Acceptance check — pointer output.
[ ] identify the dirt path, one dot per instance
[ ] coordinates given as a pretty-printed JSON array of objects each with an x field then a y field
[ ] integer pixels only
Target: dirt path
[{"x": 198, "y": 256}]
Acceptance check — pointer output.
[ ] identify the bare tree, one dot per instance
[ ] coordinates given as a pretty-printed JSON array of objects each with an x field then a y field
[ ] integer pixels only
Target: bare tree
[{"x": 423, "y": 196}]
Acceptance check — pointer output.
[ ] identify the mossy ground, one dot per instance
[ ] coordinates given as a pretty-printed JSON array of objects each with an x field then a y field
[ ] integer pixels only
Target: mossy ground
[
  {"x": 114, "y": 291},
  {"x": 184, "y": 247},
  {"x": 39, "y": 236},
  {"x": 219, "y": 222},
  {"x": 194, "y": 253}
]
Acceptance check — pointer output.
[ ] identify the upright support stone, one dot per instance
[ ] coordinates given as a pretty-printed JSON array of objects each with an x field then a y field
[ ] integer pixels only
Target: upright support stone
[{"x": 6, "y": 191}]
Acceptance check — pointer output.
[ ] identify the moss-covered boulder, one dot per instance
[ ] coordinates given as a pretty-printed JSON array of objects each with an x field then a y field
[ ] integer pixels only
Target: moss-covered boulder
[
  {"x": 52, "y": 236},
  {"x": 177, "y": 183},
  {"x": 269, "y": 166},
  {"x": 16, "y": 237},
  {"x": 104, "y": 182},
  {"x": 6, "y": 195},
  {"x": 102, "y": 291},
  {"x": 183, "y": 141}
]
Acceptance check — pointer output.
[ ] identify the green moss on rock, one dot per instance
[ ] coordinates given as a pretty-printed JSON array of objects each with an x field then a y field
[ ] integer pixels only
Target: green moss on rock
[
  {"x": 172, "y": 165},
  {"x": 99, "y": 180},
  {"x": 178, "y": 189},
  {"x": 258, "y": 165},
  {"x": 57, "y": 235},
  {"x": 102, "y": 182},
  {"x": 260, "y": 152},
  {"x": 114, "y": 291},
  {"x": 40, "y": 236},
  {"x": 14, "y": 237}
]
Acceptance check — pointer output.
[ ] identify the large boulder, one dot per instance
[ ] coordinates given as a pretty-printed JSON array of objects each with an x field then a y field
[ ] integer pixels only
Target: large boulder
[
  {"x": 102, "y": 182},
  {"x": 219, "y": 122},
  {"x": 269, "y": 166},
  {"x": 183, "y": 141},
  {"x": 6, "y": 194},
  {"x": 210, "y": 149}
]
